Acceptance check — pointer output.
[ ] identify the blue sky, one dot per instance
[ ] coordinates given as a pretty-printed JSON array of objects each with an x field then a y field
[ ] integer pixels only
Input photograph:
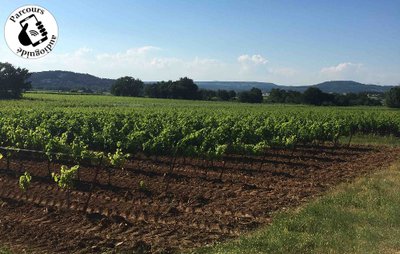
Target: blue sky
[{"x": 286, "y": 42}]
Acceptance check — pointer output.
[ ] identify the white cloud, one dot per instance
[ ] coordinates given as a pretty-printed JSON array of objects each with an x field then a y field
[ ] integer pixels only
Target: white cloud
[
  {"x": 345, "y": 71},
  {"x": 254, "y": 59},
  {"x": 82, "y": 51},
  {"x": 154, "y": 63},
  {"x": 130, "y": 54},
  {"x": 160, "y": 62},
  {"x": 342, "y": 68},
  {"x": 251, "y": 66},
  {"x": 147, "y": 63},
  {"x": 145, "y": 49}
]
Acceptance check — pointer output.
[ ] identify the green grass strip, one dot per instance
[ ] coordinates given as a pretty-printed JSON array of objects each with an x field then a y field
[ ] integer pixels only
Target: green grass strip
[
  {"x": 358, "y": 217},
  {"x": 372, "y": 140}
]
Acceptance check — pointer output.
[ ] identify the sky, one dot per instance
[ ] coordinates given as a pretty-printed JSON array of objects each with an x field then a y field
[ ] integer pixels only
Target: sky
[{"x": 285, "y": 42}]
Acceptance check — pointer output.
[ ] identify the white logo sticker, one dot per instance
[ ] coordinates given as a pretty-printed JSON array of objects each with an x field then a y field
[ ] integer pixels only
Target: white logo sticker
[{"x": 31, "y": 32}]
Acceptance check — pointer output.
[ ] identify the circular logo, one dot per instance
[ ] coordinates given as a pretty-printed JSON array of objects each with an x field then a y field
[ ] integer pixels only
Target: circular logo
[{"x": 31, "y": 32}]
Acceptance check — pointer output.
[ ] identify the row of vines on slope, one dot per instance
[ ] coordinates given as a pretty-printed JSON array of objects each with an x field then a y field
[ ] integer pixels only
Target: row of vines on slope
[
  {"x": 106, "y": 139},
  {"x": 190, "y": 133}
]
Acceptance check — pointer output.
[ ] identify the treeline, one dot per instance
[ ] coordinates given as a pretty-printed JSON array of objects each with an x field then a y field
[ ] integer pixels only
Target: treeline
[
  {"x": 14, "y": 81},
  {"x": 184, "y": 88},
  {"x": 314, "y": 96}
]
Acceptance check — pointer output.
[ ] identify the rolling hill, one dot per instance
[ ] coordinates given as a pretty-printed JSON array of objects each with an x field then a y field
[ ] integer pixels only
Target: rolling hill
[
  {"x": 343, "y": 87},
  {"x": 66, "y": 80}
]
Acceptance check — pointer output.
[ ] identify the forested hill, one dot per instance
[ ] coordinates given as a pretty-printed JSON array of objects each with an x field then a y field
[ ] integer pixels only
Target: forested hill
[
  {"x": 344, "y": 87},
  {"x": 66, "y": 80}
]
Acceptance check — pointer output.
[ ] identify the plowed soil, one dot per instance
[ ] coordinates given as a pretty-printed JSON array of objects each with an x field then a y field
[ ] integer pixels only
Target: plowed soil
[{"x": 148, "y": 209}]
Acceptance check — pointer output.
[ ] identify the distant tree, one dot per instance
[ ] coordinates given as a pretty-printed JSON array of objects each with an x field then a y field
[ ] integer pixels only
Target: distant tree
[
  {"x": 232, "y": 94},
  {"x": 207, "y": 95},
  {"x": 257, "y": 95},
  {"x": 342, "y": 99},
  {"x": 127, "y": 86},
  {"x": 252, "y": 96},
  {"x": 152, "y": 91},
  {"x": 365, "y": 99},
  {"x": 393, "y": 97},
  {"x": 223, "y": 95},
  {"x": 277, "y": 96},
  {"x": 294, "y": 97},
  {"x": 164, "y": 89},
  {"x": 283, "y": 96},
  {"x": 313, "y": 96},
  {"x": 184, "y": 88},
  {"x": 13, "y": 81},
  {"x": 86, "y": 90}
]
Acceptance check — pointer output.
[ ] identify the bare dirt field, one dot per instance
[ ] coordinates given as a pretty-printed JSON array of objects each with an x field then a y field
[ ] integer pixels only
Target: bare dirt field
[{"x": 147, "y": 210}]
